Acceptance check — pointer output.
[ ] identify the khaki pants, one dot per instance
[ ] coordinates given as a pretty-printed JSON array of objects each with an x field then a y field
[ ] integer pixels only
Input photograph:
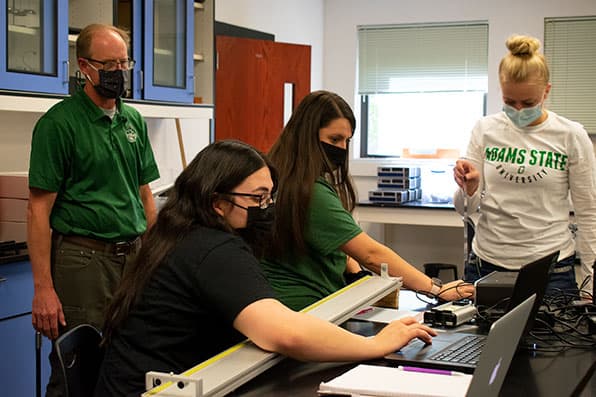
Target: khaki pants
[{"x": 85, "y": 281}]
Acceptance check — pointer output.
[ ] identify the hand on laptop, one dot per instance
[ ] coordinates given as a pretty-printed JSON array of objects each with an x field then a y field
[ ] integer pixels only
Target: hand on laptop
[
  {"x": 456, "y": 290},
  {"x": 400, "y": 332}
]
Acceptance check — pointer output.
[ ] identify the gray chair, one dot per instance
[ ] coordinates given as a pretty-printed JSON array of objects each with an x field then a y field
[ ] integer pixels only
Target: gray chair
[{"x": 80, "y": 357}]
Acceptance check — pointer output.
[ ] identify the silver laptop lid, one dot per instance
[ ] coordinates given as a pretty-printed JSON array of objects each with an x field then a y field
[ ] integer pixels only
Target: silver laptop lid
[{"x": 503, "y": 338}]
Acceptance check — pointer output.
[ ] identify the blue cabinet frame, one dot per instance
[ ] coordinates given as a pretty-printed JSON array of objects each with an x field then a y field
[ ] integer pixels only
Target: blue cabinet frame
[
  {"x": 56, "y": 83},
  {"x": 137, "y": 50},
  {"x": 185, "y": 43},
  {"x": 142, "y": 75}
]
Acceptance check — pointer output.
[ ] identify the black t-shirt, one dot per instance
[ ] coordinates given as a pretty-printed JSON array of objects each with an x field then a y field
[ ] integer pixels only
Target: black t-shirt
[{"x": 185, "y": 312}]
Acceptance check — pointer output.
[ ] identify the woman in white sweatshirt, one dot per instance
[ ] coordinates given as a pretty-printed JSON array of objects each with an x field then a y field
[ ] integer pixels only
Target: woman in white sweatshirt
[{"x": 522, "y": 166}]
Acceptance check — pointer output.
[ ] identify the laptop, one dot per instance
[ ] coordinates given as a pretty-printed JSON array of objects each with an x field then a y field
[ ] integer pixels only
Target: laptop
[
  {"x": 498, "y": 351},
  {"x": 460, "y": 350},
  {"x": 532, "y": 279},
  {"x": 486, "y": 382}
]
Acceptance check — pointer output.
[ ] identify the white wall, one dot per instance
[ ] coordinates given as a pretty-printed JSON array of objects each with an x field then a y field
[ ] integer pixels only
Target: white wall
[
  {"x": 505, "y": 17},
  {"x": 167, "y": 149},
  {"x": 296, "y": 22},
  {"x": 16, "y": 142}
]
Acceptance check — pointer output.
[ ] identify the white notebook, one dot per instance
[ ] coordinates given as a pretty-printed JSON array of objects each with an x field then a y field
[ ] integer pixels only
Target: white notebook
[{"x": 372, "y": 380}]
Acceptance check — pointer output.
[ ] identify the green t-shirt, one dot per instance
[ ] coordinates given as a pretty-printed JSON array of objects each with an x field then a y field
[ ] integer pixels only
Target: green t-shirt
[
  {"x": 96, "y": 165},
  {"x": 302, "y": 281}
]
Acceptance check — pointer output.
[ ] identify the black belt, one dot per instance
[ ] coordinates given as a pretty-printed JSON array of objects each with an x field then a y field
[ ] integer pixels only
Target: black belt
[
  {"x": 482, "y": 262},
  {"x": 119, "y": 248},
  {"x": 558, "y": 267}
]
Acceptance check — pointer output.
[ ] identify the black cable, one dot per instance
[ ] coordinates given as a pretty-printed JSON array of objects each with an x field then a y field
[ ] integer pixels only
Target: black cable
[
  {"x": 456, "y": 287},
  {"x": 426, "y": 294},
  {"x": 429, "y": 294},
  {"x": 560, "y": 338},
  {"x": 488, "y": 309},
  {"x": 573, "y": 328}
]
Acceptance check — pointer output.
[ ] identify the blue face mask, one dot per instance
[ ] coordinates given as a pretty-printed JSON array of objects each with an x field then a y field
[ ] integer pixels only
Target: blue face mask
[{"x": 524, "y": 116}]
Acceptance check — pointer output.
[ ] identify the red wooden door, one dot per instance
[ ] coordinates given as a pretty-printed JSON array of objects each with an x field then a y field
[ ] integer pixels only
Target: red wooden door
[{"x": 249, "y": 87}]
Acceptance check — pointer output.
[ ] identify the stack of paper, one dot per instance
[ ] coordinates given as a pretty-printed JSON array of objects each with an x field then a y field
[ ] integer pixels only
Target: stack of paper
[{"x": 372, "y": 380}]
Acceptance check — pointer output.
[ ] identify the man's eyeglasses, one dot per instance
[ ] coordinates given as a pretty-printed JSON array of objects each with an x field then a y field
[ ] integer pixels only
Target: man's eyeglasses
[
  {"x": 265, "y": 200},
  {"x": 108, "y": 66}
]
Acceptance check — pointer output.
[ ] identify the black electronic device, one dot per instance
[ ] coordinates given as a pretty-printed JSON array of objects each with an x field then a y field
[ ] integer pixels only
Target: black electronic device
[
  {"x": 495, "y": 289},
  {"x": 531, "y": 279}
]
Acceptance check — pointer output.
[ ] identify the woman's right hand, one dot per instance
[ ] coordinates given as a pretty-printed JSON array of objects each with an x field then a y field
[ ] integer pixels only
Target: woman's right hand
[
  {"x": 400, "y": 332},
  {"x": 466, "y": 176}
]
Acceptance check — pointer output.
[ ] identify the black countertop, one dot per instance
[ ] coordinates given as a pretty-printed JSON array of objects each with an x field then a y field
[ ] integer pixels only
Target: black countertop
[{"x": 409, "y": 204}]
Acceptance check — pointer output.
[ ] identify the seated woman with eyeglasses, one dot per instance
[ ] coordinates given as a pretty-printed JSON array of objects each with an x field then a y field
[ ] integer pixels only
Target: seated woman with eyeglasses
[{"x": 197, "y": 288}]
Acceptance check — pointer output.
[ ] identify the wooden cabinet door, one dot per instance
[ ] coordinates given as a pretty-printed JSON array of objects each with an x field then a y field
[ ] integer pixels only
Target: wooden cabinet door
[{"x": 249, "y": 87}]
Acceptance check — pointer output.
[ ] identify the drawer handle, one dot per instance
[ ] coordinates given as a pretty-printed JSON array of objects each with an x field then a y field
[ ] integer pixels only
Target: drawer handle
[{"x": 2, "y": 279}]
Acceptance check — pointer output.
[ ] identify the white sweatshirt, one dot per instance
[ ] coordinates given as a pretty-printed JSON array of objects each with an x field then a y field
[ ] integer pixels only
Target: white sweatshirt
[{"x": 523, "y": 198}]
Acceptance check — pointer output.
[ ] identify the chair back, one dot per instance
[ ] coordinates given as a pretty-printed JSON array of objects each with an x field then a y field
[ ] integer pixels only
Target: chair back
[
  {"x": 433, "y": 269},
  {"x": 80, "y": 357}
]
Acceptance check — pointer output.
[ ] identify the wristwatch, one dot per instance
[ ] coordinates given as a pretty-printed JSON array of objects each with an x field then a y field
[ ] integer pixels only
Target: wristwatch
[{"x": 436, "y": 286}]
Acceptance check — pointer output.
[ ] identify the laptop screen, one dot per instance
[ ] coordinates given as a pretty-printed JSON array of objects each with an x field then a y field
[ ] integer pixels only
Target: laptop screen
[{"x": 532, "y": 279}]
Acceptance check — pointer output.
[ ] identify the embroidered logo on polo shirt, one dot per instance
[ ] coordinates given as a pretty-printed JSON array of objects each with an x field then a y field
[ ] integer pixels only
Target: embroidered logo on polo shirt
[{"x": 131, "y": 135}]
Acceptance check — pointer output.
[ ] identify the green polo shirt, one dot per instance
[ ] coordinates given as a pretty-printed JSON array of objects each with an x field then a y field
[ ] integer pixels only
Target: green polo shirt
[
  {"x": 96, "y": 165},
  {"x": 301, "y": 281}
]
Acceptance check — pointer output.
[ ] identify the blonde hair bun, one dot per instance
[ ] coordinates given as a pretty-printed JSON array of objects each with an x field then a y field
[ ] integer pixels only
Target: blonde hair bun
[
  {"x": 522, "y": 46},
  {"x": 523, "y": 62}
]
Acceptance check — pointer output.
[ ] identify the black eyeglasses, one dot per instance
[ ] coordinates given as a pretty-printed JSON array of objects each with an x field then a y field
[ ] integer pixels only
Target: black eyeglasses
[
  {"x": 125, "y": 64},
  {"x": 265, "y": 199}
]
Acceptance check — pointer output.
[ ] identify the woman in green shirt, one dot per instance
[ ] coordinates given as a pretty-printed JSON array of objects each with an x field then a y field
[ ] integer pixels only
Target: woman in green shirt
[{"x": 315, "y": 236}]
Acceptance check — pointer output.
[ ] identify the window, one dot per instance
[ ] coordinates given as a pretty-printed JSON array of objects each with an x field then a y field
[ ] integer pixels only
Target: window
[
  {"x": 571, "y": 54},
  {"x": 421, "y": 87}
]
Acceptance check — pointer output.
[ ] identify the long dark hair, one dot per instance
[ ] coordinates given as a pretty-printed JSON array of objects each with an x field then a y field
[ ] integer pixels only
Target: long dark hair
[
  {"x": 300, "y": 159},
  {"x": 220, "y": 167}
]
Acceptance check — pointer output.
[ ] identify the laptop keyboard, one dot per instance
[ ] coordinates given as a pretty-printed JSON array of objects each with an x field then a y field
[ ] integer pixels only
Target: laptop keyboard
[{"x": 467, "y": 350}]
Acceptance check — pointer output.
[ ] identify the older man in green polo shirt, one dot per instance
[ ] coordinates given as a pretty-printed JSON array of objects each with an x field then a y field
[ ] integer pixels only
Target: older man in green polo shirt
[{"x": 91, "y": 163}]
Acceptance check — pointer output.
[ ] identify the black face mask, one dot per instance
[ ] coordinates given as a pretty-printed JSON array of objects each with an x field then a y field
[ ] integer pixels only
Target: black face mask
[
  {"x": 335, "y": 154},
  {"x": 259, "y": 225},
  {"x": 111, "y": 83}
]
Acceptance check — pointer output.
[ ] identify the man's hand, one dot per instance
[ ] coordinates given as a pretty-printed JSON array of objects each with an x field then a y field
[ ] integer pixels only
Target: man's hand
[{"x": 47, "y": 312}]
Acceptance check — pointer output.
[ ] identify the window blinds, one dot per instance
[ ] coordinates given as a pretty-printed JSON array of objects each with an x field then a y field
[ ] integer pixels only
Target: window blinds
[
  {"x": 569, "y": 47},
  {"x": 422, "y": 58}
]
